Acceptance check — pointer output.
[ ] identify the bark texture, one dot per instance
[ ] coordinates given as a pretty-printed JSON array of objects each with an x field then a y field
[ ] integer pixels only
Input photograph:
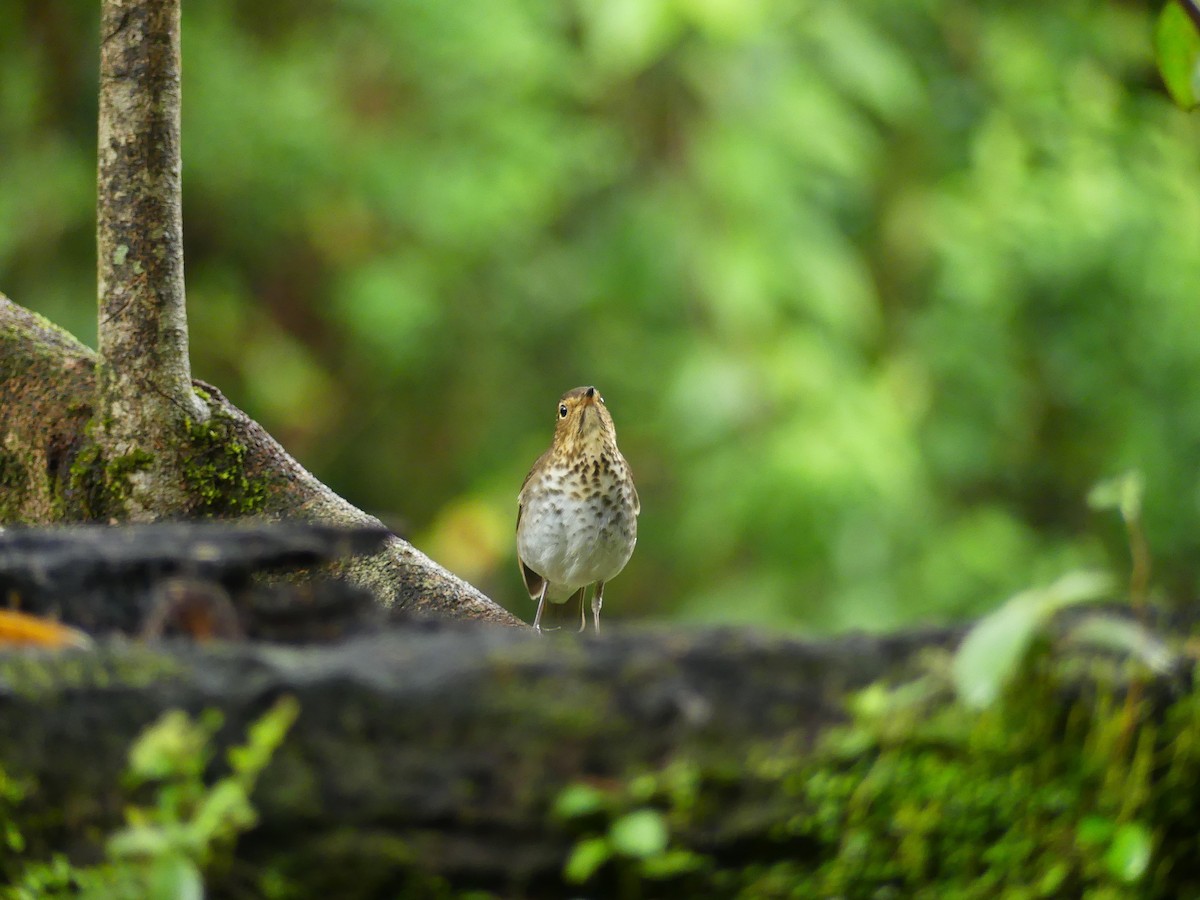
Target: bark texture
[
  {"x": 230, "y": 465},
  {"x": 145, "y": 387}
]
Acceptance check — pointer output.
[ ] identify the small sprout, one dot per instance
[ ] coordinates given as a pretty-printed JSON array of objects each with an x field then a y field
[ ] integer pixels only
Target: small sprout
[
  {"x": 164, "y": 847},
  {"x": 991, "y": 652},
  {"x": 264, "y": 737},
  {"x": 1130, "y": 638},
  {"x": 1123, "y": 493}
]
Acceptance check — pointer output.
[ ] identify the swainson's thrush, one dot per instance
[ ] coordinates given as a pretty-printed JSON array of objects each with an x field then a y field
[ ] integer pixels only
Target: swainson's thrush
[{"x": 577, "y": 510}]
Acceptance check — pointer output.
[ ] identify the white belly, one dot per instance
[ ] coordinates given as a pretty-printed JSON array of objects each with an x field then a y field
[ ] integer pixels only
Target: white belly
[{"x": 573, "y": 543}]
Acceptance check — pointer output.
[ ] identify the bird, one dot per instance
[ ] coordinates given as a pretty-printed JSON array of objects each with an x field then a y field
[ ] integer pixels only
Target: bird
[{"x": 577, "y": 510}]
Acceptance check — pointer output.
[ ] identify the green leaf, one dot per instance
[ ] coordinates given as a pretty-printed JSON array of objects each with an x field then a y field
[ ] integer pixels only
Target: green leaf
[
  {"x": 639, "y": 834},
  {"x": 1129, "y": 853},
  {"x": 225, "y": 810},
  {"x": 1074, "y": 589},
  {"x": 173, "y": 745},
  {"x": 991, "y": 652},
  {"x": 139, "y": 841},
  {"x": 263, "y": 739},
  {"x": 1111, "y": 633},
  {"x": 11, "y": 837},
  {"x": 577, "y": 800},
  {"x": 588, "y": 856},
  {"x": 1177, "y": 45},
  {"x": 175, "y": 878}
]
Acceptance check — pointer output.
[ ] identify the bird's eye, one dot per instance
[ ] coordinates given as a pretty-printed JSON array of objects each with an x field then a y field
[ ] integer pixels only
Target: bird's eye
[
  {"x": 601, "y": 399},
  {"x": 562, "y": 411}
]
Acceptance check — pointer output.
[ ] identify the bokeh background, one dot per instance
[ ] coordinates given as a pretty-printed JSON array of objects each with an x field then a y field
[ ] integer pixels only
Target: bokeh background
[{"x": 876, "y": 291}]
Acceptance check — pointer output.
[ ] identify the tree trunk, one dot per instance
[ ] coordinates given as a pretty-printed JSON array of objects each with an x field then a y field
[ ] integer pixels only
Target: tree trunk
[
  {"x": 129, "y": 436},
  {"x": 146, "y": 401}
]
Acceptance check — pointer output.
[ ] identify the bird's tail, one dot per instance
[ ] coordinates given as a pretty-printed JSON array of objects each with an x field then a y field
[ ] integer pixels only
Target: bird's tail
[{"x": 566, "y": 615}]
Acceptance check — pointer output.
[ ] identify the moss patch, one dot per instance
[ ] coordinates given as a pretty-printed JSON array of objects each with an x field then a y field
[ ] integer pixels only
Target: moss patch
[
  {"x": 1033, "y": 797},
  {"x": 98, "y": 489},
  {"x": 214, "y": 469},
  {"x": 212, "y": 464},
  {"x": 44, "y": 677}
]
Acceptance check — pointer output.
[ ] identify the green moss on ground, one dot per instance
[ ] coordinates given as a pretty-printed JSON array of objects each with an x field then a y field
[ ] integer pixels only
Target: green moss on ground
[
  {"x": 45, "y": 678},
  {"x": 1060, "y": 788},
  {"x": 1026, "y": 799}
]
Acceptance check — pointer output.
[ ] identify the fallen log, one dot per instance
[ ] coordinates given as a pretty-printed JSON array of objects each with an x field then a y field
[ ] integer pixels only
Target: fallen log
[
  {"x": 431, "y": 758},
  {"x": 449, "y": 741}
]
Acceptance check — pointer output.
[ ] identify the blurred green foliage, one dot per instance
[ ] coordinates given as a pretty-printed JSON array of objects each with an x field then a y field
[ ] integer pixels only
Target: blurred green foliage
[{"x": 875, "y": 291}]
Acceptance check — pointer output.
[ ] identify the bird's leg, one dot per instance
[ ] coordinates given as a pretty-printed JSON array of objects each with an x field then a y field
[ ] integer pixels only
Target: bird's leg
[
  {"x": 537, "y": 619},
  {"x": 582, "y": 610},
  {"x": 597, "y": 602}
]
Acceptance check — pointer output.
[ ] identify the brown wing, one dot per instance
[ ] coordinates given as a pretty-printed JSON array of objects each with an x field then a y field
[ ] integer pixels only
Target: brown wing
[
  {"x": 521, "y": 494},
  {"x": 533, "y": 581}
]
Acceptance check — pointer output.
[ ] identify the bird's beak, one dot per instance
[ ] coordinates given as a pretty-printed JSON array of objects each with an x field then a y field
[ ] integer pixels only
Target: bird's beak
[{"x": 590, "y": 397}]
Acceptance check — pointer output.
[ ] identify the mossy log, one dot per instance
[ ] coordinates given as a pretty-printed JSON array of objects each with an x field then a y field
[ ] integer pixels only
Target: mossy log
[
  {"x": 52, "y": 471},
  {"x": 432, "y": 758},
  {"x": 434, "y": 751}
]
